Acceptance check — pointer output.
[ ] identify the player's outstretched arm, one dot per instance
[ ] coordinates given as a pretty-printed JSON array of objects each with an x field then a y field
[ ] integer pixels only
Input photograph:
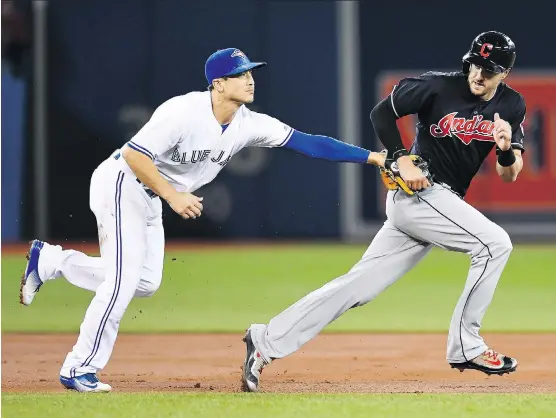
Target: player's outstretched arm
[
  {"x": 509, "y": 162},
  {"x": 186, "y": 205},
  {"x": 327, "y": 148}
]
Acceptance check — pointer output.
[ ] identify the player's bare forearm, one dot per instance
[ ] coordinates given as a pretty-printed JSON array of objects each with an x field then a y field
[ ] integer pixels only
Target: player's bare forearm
[
  {"x": 510, "y": 173},
  {"x": 148, "y": 174}
]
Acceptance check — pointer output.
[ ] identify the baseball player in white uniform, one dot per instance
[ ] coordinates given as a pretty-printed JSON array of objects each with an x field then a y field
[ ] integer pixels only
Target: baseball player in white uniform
[{"x": 184, "y": 145}]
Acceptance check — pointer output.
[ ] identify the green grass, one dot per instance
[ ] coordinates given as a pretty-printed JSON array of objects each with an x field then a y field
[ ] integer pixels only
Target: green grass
[
  {"x": 226, "y": 290},
  {"x": 269, "y": 405}
]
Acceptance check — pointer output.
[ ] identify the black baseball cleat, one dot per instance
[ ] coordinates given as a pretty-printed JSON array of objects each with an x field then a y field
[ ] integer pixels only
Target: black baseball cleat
[
  {"x": 253, "y": 366},
  {"x": 490, "y": 362}
]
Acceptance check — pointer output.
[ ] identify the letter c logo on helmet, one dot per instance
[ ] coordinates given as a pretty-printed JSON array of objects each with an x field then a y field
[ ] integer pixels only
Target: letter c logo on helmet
[{"x": 485, "y": 53}]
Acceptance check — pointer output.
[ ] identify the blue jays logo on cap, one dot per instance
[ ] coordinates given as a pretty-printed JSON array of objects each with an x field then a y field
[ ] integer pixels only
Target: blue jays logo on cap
[
  {"x": 237, "y": 53},
  {"x": 227, "y": 62}
]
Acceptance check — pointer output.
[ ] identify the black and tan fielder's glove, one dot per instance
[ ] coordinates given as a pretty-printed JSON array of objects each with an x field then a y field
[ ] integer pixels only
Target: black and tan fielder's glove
[{"x": 390, "y": 174}]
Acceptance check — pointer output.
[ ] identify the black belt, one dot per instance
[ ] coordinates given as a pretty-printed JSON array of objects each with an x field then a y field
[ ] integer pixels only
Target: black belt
[{"x": 149, "y": 192}]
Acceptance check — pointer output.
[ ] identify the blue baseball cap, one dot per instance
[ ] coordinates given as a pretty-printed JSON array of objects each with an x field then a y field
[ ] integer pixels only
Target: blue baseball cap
[{"x": 226, "y": 62}]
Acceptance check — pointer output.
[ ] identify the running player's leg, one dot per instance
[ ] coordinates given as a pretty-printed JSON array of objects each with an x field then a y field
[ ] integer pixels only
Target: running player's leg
[
  {"x": 390, "y": 255},
  {"x": 442, "y": 218}
]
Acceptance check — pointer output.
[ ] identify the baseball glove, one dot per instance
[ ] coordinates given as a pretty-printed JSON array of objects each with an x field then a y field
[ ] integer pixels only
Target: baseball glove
[{"x": 390, "y": 174}]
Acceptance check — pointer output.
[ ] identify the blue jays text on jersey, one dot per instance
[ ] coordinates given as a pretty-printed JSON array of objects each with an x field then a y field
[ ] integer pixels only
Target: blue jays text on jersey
[{"x": 198, "y": 156}]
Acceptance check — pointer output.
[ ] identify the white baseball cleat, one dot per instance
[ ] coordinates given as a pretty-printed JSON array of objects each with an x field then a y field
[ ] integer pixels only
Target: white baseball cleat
[
  {"x": 31, "y": 281},
  {"x": 85, "y": 383}
]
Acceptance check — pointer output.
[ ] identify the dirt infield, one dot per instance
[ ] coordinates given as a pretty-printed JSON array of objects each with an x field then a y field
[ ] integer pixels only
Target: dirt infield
[{"x": 331, "y": 363}]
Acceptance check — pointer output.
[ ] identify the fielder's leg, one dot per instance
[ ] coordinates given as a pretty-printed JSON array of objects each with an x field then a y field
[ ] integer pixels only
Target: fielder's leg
[
  {"x": 88, "y": 272},
  {"x": 47, "y": 262},
  {"x": 123, "y": 217},
  {"x": 151, "y": 274},
  {"x": 391, "y": 254},
  {"x": 81, "y": 270}
]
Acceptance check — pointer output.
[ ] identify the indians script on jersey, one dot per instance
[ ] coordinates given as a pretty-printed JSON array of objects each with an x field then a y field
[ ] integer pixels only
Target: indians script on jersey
[{"x": 465, "y": 129}]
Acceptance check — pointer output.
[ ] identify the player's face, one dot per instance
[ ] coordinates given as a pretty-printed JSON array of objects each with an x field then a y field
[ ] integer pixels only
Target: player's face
[
  {"x": 483, "y": 83},
  {"x": 240, "y": 88}
]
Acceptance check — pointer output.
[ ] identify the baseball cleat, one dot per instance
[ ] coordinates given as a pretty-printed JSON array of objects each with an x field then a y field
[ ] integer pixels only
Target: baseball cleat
[
  {"x": 490, "y": 362},
  {"x": 253, "y": 366},
  {"x": 85, "y": 383},
  {"x": 31, "y": 281}
]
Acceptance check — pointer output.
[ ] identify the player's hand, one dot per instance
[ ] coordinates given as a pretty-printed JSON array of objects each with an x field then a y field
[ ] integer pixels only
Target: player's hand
[
  {"x": 187, "y": 205},
  {"x": 502, "y": 133},
  {"x": 412, "y": 175},
  {"x": 377, "y": 158}
]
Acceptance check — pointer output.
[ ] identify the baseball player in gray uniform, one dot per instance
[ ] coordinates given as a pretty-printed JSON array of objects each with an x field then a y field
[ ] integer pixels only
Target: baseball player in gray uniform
[{"x": 462, "y": 116}]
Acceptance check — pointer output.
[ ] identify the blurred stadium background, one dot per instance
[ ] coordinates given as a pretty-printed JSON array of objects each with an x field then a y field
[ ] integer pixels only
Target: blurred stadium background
[{"x": 80, "y": 78}]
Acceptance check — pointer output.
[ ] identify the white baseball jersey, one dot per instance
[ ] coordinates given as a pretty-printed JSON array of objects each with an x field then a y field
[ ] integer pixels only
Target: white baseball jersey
[{"x": 188, "y": 145}]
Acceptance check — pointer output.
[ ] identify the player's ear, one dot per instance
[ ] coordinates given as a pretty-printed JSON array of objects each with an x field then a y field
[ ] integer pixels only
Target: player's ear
[
  {"x": 217, "y": 85},
  {"x": 505, "y": 74}
]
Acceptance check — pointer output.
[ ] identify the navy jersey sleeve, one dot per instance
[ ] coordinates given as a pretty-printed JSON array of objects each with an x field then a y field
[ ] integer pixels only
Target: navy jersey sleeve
[
  {"x": 516, "y": 122},
  {"x": 411, "y": 94}
]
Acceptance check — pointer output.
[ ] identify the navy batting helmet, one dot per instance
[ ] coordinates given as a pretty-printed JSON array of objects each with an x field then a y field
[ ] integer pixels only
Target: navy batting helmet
[{"x": 492, "y": 51}]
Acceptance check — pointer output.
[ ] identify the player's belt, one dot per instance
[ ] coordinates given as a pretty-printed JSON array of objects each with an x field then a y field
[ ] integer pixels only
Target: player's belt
[{"x": 149, "y": 192}]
